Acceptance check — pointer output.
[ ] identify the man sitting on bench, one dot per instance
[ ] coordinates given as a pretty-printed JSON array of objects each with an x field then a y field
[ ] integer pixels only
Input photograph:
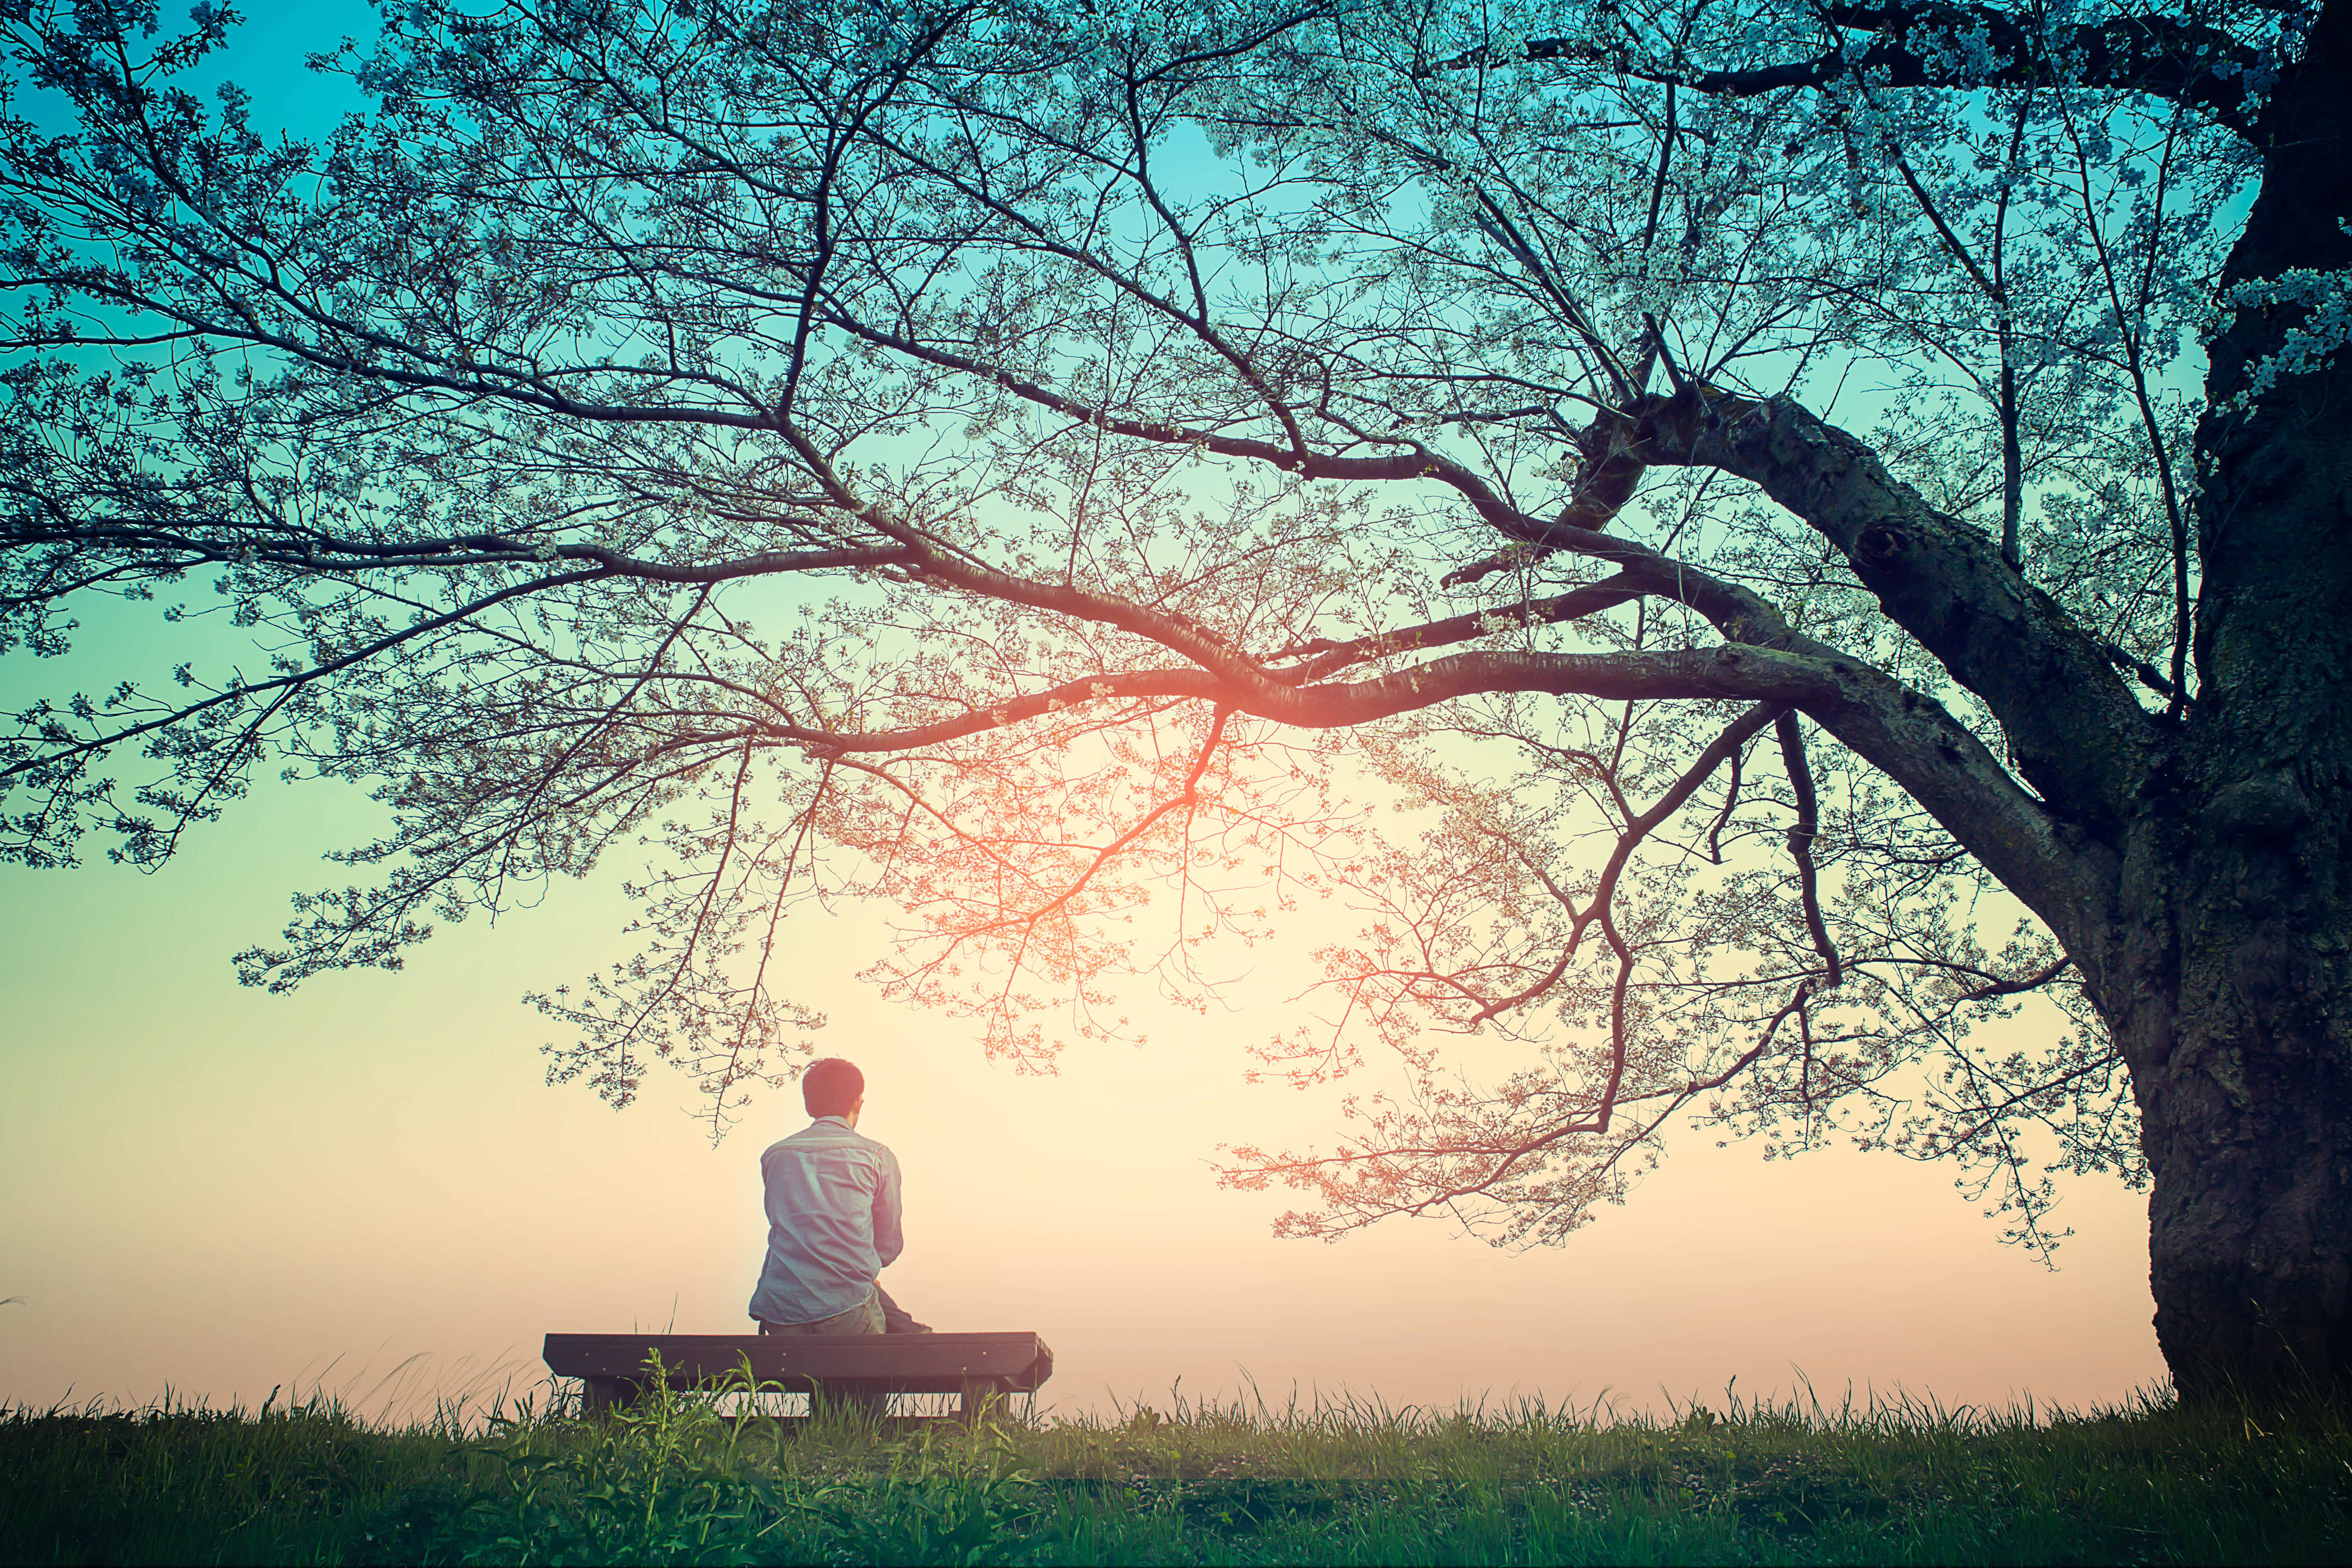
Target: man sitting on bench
[{"x": 833, "y": 1216}]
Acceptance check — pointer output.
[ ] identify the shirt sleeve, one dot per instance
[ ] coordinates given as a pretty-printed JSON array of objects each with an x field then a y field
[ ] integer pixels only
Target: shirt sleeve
[{"x": 889, "y": 1213}]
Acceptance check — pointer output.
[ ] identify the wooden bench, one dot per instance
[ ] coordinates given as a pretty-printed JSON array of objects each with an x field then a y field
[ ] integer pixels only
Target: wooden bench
[{"x": 615, "y": 1369}]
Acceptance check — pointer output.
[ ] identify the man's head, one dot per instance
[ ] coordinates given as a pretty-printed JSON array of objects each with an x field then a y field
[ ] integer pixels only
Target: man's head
[{"x": 832, "y": 1087}]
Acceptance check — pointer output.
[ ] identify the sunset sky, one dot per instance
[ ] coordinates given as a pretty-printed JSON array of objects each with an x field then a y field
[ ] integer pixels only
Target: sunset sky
[{"x": 215, "y": 1192}]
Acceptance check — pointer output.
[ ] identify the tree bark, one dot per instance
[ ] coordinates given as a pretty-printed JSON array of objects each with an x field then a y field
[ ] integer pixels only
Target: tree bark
[
  {"x": 2231, "y": 994},
  {"x": 2229, "y": 1004}
]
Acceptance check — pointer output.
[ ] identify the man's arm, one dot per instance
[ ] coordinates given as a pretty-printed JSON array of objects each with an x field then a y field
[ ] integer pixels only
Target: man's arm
[{"x": 889, "y": 1213}]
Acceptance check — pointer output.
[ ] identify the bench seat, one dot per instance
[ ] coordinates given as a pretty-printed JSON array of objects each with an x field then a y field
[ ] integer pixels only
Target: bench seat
[{"x": 613, "y": 1368}]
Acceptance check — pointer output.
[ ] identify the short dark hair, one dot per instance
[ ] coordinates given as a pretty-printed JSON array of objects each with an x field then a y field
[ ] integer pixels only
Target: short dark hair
[{"x": 829, "y": 1087}]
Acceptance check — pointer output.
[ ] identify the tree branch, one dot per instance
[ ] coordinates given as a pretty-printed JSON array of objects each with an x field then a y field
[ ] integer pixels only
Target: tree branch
[
  {"x": 1329, "y": 658},
  {"x": 1801, "y": 834},
  {"x": 2077, "y": 735},
  {"x": 2165, "y": 57},
  {"x": 1725, "y": 746}
]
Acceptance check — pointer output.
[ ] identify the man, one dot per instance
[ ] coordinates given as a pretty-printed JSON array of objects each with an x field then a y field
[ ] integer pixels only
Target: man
[{"x": 833, "y": 1218}]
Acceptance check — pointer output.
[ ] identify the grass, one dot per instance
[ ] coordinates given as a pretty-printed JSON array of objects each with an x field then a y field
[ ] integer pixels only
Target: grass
[{"x": 706, "y": 1478}]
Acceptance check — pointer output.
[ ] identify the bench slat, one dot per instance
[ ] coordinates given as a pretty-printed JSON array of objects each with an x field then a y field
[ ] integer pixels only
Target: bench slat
[{"x": 901, "y": 1363}]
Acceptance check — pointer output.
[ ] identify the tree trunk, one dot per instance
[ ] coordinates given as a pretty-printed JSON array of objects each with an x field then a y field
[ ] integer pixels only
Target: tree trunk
[
  {"x": 2233, "y": 1017},
  {"x": 2232, "y": 997}
]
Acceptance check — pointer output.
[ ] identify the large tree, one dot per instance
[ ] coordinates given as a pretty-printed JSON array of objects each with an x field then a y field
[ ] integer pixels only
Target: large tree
[{"x": 1736, "y": 469}]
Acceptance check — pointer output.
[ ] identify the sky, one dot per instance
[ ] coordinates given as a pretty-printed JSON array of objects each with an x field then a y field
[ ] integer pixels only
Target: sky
[
  {"x": 368, "y": 1188},
  {"x": 214, "y": 1192}
]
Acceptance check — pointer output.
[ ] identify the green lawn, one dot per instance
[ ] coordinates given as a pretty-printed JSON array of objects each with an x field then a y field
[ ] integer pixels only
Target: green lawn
[{"x": 678, "y": 1481}]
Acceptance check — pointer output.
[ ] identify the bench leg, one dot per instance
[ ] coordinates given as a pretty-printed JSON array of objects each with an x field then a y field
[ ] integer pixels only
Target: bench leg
[
  {"x": 976, "y": 1391},
  {"x": 599, "y": 1394}
]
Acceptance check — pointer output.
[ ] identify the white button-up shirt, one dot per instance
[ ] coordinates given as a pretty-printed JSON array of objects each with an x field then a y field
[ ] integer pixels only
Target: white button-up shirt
[{"x": 833, "y": 1218}]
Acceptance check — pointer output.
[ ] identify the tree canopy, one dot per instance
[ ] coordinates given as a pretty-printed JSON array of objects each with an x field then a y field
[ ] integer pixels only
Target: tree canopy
[{"x": 1731, "y": 467}]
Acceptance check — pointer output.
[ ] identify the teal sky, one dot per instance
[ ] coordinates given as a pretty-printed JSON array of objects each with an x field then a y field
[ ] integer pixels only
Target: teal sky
[{"x": 213, "y": 1191}]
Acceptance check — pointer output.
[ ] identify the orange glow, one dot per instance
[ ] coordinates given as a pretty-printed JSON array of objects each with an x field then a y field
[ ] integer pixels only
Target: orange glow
[{"x": 218, "y": 1191}]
